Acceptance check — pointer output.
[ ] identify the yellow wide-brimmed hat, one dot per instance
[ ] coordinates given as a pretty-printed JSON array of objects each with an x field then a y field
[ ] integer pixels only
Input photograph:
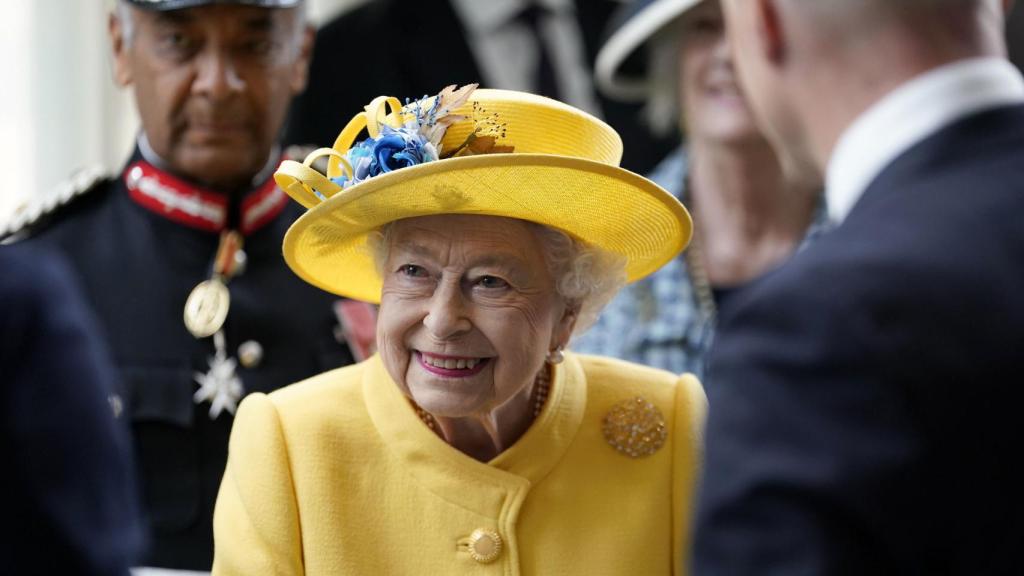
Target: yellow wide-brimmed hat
[{"x": 468, "y": 151}]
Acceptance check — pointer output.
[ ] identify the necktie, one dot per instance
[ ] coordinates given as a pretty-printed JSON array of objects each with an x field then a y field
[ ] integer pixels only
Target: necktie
[{"x": 545, "y": 82}]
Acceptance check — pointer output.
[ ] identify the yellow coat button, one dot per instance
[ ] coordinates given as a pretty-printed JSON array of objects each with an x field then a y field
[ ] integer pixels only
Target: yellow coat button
[{"x": 483, "y": 545}]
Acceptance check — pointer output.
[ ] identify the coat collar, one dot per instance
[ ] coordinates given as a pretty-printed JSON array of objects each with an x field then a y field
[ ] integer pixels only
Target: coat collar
[
  {"x": 909, "y": 115},
  {"x": 151, "y": 185},
  {"x": 445, "y": 471}
]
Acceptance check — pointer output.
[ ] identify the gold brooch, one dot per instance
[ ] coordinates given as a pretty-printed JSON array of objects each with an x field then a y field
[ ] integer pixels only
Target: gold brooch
[{"x": 635, "y": 427}]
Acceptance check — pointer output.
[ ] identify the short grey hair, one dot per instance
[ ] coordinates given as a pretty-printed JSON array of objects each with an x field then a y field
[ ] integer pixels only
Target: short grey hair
[
  {"x": 125, "y": 16},
  {"x": 586, "y": 277}
]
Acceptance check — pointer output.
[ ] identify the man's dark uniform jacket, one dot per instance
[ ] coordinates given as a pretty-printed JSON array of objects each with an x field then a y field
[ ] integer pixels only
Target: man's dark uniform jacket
[
  {"x": 138, "y": 260},
  {"x": 866, "y": 413},
  {"x": 408, "y": 49}
]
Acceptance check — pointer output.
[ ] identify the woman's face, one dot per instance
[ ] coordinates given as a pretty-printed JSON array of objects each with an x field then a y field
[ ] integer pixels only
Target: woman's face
[
  {"x": 468, "y": 311},
  {"x": 713, "y": 104}
]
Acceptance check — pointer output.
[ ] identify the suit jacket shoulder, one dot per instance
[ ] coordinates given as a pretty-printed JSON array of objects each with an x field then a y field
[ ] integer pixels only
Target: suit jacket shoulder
[{"x": 69, "y": 477}]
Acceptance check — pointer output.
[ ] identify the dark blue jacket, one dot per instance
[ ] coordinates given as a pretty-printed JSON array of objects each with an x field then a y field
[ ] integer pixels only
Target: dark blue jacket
[
  {"x": 68, "y": 481},
  {"x": 866, "y": 413}
]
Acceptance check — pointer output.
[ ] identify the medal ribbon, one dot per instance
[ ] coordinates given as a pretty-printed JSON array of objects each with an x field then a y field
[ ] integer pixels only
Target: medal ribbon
[{"x": 225, "y": 263}]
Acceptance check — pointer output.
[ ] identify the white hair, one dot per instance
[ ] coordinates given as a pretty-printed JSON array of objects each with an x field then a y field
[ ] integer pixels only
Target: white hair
[{"x": 586, "y": 277}]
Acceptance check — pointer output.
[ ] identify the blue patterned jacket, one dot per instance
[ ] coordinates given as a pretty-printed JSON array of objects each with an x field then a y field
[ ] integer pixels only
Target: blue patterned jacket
[{"x": 658, "y": 321}]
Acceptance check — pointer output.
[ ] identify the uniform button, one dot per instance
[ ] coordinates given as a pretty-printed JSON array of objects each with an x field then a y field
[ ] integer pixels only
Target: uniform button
[
  {"x": 116, "y": 405},
  {"x": 484, "y": 545},
  {"x": 250, "y": 354}
]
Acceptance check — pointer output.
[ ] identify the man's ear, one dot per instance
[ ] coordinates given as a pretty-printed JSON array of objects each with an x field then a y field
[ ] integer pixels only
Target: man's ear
[
  {"x": 300, "y": 69},
  {"x": 771, "y": 35},
  {"x": 119, "y": 50}
]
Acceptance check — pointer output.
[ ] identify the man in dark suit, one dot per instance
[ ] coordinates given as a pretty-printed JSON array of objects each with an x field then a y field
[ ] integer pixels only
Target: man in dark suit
[
  {"x": 409, "y": 48},
  {"x": 865, "y": 411},
  {"x": 68, "y": 479}
]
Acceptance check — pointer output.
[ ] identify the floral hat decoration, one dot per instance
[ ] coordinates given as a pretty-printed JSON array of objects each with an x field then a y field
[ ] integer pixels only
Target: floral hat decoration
[{"x": 470, "y": 151}]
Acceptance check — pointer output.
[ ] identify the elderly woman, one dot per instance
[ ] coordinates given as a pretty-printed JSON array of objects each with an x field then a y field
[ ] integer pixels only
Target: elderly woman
[
  {"x": 490, "y": 226},
  {"x": 747, "y": 217}
]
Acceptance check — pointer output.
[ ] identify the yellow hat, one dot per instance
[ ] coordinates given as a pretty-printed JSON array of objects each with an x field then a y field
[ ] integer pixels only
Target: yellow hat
[{"x": 467, "y": 151}]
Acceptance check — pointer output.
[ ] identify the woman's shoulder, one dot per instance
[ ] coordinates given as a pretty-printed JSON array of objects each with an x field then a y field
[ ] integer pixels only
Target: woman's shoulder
[
  {"x": 611, "y": 381},
  {"x": 606, "y": 371}
]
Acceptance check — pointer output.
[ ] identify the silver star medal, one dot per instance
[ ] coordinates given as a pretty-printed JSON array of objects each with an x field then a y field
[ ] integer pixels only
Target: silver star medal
[{"x": 220, "y": 385}]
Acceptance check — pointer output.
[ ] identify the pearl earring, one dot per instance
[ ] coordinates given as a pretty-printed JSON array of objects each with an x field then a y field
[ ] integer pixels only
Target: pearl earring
[{"x": 555, "y": 356}]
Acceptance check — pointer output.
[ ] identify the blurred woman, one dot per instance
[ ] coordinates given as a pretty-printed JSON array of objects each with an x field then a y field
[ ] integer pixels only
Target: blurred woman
[{"x": 747, "y": 217}]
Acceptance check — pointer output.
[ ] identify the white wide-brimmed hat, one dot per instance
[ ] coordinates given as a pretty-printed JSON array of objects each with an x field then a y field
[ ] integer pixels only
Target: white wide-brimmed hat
[{"x": 638, "y": 23}]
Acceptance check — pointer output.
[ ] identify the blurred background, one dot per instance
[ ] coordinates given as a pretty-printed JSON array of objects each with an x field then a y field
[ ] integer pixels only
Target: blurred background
[{"x": 59, "y": 108}]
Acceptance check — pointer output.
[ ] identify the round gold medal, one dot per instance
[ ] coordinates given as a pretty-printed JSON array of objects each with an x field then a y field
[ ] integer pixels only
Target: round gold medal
[{"x": 207, "y": 308}]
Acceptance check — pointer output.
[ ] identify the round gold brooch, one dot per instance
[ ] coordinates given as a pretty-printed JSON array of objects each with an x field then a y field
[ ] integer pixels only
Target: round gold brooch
[{"x": 635, "y": 427}]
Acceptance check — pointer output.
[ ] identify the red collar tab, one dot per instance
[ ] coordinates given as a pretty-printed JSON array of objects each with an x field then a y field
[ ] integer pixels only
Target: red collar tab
[{"x": 192, "y": 206}]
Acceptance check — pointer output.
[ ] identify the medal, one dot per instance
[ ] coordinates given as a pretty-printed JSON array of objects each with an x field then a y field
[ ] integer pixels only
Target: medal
[
  {"x": 220, "y": 385},
  {"x": 207, "y": 308}
]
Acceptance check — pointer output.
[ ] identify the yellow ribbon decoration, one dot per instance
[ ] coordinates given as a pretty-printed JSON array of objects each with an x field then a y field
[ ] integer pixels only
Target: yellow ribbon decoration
[{"x": 302, "y": 182}]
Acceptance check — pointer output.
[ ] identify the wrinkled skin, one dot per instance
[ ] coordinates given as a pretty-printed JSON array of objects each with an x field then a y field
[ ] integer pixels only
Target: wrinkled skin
[{"x": 475, "y": 292}]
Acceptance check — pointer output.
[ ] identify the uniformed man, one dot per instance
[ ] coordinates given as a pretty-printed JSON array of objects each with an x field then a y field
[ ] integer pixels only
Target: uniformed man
[{"x": 180, "y": 253}]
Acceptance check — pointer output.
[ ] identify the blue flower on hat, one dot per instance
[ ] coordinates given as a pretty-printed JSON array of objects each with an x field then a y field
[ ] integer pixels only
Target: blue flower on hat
[
  {"x": 361, "y": 159},
  {"x": 393, "y": 149},
  {"x": 398, "y": 148},
  {"x": 415, "y": 142}
]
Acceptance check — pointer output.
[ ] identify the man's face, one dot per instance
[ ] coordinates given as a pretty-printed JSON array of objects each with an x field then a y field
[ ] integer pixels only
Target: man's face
[
  {"x": 213, "y": 84},
  {"x": 762, "y": 73},
  {"x": 746, "y": 56}
]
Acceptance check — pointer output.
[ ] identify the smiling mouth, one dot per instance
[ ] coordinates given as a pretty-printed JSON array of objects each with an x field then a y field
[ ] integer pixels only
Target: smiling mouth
[{"x": 451, "y": 366}]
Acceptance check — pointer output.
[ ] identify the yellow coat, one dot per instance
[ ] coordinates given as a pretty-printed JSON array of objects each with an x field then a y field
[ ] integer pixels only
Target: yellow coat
[{"x": 337, "y": 475}]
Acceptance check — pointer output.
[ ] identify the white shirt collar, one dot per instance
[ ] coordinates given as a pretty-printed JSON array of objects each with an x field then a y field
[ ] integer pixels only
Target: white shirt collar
[
  {"x": 480, "y": 17},
  {"x": 910, "y": 114}
]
